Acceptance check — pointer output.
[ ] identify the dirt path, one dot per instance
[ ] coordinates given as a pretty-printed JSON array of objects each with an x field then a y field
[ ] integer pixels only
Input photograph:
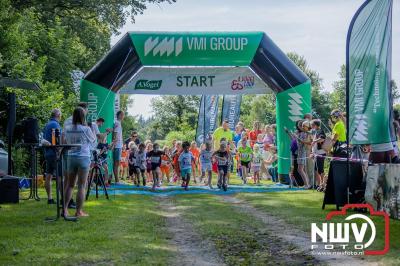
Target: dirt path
[
  {"x": 279, "y": 229},
  {"x": 190, "y": 248}
]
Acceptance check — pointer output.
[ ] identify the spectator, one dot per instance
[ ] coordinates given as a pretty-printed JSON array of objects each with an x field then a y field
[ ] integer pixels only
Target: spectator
[
  {"x": 78, "y": 159},
  {"x": 254, "y": 133},
  {"x": 133, "y": 137},
  {"x": 303, "y": 142},
  {"x": 96, "y": 132},
  {"x": 318, "y": 139},
  {"x": 338, "y": 133},
  {"x": 49, "y": 153},
  {"x": 222, "y": 132},
  {"x": 117, "y": 142},
  {"x": 308, "y": 116}
]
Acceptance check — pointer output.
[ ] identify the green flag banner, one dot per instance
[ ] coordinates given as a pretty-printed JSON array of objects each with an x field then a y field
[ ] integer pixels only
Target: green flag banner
[
  {"x": 369, "y": 56},
  {"x": 291, "y": 105},
  {"x": 196, "y": 48}
]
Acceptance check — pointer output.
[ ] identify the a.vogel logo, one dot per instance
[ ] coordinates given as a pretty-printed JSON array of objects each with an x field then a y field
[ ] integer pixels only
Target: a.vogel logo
[
  {"x": 166, "y": 46},
  {"x": 143, "y": 84},
  {"x": 294, "y": 107},
  {"x": 346, "y": 237}
]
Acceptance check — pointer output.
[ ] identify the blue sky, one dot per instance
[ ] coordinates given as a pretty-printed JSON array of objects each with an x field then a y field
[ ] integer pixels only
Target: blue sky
[{"x": 315, "y": 29}]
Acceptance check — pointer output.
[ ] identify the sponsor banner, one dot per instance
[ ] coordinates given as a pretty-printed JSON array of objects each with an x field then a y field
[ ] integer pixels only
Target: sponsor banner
[
  {"x": 195, "y": 81},
  {"x": 383, "y": 188},
  {"x": 369, "y": 56},
  {"x": 196, "y": 48},
  {"x": 291, "y": 105},
  {"x": 231, "y": 109},
  {"x": 207, "y": 120}
]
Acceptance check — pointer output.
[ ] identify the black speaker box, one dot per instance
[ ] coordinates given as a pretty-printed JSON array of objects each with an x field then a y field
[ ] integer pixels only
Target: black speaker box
[
  {"x": 30, "y": 129},
  {"x": 9, "y": 189}
]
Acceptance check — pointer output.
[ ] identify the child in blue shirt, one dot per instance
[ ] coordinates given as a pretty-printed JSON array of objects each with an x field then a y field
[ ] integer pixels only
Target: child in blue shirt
[{"x": 185, "y": 163}]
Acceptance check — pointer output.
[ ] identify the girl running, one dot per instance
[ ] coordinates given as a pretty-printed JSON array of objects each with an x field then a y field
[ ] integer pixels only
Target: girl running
[
  {"x": 222, "y": 158},
  {"x": 132, "y": 162},
  {"x": 196, "y": 153},
  {"x": 154, "y": 157},
  {"x": 166, "y": 164},
  {"x": 123, "y": 167},
  {"x": 149, "y": 148},
  {"x": 141, "y": 163},
  {"x": 245, "y": 157},
  {"x": 185, "y": 162},
  {"x": 256, "y": 164},
  {"x": 206, "y": 163},
  {"x": 175, "y": 161}
]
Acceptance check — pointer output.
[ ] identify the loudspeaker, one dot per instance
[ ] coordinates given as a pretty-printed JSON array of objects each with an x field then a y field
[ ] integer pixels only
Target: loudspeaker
[
  {"x": 30, "y": 129},
  {"x": 9, "y": 189}
]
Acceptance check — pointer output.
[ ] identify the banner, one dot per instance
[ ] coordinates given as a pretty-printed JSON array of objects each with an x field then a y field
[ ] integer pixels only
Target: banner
[
  {"x": 383, "y": 188},
  {"x": 207, "y": 120},
  {"x": 369, "y": 58},
  {"x": 195, "y": 81},
  {"x": 231, "y": 109},
  {"x": 196, "y": 48}
]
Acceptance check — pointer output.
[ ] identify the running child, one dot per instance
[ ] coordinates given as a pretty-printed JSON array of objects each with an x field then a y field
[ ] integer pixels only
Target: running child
[
  {"x": 185, "y": 163},
  {"x": 133, "y": 150},
  {"x": 256, "y": 163},
  {"x": 245, "y": 157},
  {"x": 196, "y": 153},
  {"x": 154, "y": 157},
  {"x": 123, "y": 167},
  {"x": 206, "y": 163},
  {"x": 175, "y": 161},
  {"x": 149, "y": 176},
  {"x": 141, "y": 163},
  {"x": 165, "y": 164},
  {"x": 222, "y": 158}
]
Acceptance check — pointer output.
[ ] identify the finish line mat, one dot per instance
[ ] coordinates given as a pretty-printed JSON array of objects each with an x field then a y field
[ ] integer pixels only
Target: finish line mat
[{"x": 178, "y": 190}]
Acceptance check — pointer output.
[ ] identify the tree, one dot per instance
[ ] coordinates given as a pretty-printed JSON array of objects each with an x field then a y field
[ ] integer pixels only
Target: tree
[
  {"x": 174, "y": 113},
  {"x": 319, "y": 97}
]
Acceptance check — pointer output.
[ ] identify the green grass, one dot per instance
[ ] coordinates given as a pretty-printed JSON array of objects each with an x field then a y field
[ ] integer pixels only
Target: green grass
[
  {"x": 301, "y": 208},
  {"x": 123, "y": 231},
  {"x": 238, "y": 238}
]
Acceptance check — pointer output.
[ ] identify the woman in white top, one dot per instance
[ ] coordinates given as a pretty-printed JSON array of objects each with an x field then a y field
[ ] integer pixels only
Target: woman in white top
[{"x": 78, "y": 164}]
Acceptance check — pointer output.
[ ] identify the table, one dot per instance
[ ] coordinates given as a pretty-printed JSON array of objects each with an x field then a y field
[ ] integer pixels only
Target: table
[{"x": 60, "y": 150}]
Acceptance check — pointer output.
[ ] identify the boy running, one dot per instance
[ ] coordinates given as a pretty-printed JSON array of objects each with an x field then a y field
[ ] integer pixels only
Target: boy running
[
  {"x": 245, "y": 157},
  {"x": 155, "y": 161},
  {"x": 222, "y": 158},
  {"x": 185, "y": 163}
]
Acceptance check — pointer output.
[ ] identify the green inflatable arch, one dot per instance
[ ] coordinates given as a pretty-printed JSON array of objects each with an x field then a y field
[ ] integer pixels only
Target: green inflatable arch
[{"x": 199, "y": 63}]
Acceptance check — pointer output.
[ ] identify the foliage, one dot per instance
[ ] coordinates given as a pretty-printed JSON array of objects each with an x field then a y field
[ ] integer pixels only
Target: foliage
[
  {"x": 174, "y": 113},
  {"x": 261, "y": 108},
  {"x": 129, "y": 123}
]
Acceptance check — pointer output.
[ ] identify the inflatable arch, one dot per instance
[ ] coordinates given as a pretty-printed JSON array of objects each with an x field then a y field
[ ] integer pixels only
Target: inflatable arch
[{"x": 200, "y": 63}]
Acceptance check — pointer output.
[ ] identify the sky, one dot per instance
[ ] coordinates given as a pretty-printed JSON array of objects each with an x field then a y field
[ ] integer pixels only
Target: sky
[{"x": 316, "y": 29}]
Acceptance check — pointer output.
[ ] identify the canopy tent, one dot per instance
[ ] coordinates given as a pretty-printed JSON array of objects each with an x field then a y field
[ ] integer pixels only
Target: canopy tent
[{"x": 199, "y": 63}]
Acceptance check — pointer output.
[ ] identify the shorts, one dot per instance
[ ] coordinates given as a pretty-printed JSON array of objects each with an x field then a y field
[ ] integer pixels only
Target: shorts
[
  {"x": 165, "y": 169},
  {"x": 245, "y": 164},
  {"x": 206, "y": 167},
  {"x": 223, "y": 168},
  {"x": 140, "y": 170},
  {"x": 256, "y": 168},
  {"x": 132, "y": 171},
  {"x": 319, "y": 164},
  {"x": 155, "y": 166},
  {"x": 51, "y": 166},
  {"x": 185, "y": 172},
  {"x": 117, "y": 154},
  {"x": 76, "y": 163}
]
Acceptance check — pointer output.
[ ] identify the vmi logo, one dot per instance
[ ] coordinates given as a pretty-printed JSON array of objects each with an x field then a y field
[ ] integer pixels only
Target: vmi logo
[
  {"x": 166, "y": 46},
  {"x": 295, "y": 109},
  {"x": 143, "y": 84}
]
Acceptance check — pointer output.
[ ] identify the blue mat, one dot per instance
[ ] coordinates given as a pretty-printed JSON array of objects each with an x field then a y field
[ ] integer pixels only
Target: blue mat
[{"x": 178, "y": 190}]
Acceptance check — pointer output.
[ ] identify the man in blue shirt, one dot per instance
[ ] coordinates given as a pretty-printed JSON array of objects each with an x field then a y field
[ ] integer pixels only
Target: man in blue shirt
[{"x": 49, "y": 154}]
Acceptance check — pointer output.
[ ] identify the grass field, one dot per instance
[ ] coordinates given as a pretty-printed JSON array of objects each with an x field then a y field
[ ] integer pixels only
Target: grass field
[{"x": 132, "y": 229}]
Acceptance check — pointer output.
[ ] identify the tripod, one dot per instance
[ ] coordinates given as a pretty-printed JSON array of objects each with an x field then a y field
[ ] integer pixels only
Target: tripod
[
  {"x": 96, "y": 175},
  {"x": 33, "y": 194}
]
